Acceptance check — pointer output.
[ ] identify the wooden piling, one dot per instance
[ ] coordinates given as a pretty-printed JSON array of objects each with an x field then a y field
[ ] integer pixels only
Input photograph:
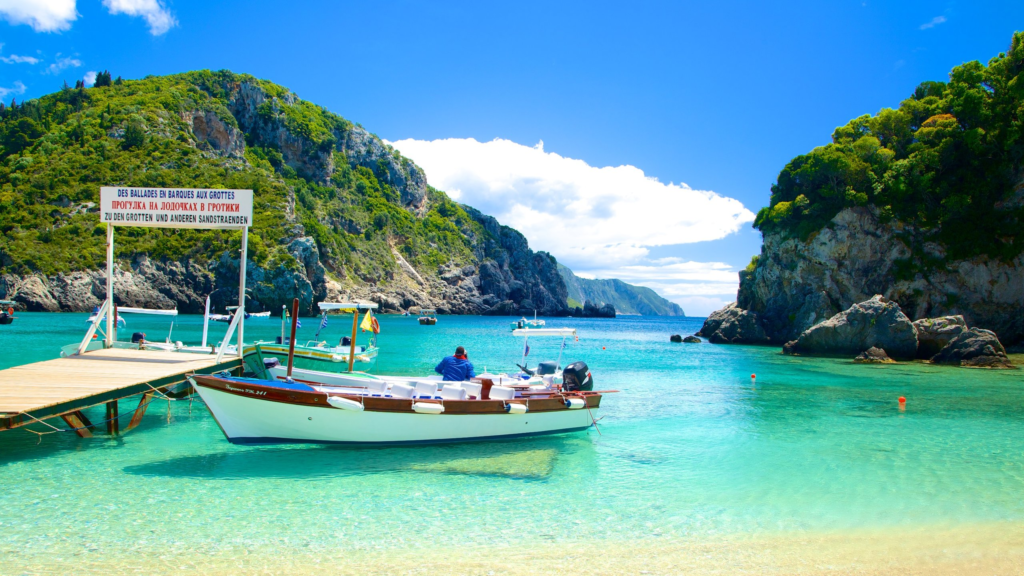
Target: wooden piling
[
  {"x": 140, "y": 411},
  {"x": 112, "y": 423}
]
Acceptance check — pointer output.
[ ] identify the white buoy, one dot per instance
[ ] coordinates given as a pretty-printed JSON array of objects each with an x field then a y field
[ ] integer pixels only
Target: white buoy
[
  {"x": 427, "y": 408},
  {"x": 344, "y": 403},
  {"x": 575, "y": 403},
  {"x": 516, "y": 408}
]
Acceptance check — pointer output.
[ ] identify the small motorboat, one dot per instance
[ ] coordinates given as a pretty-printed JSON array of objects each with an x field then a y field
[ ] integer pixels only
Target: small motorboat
[
  {"x": 525, "y": 323},
  {"x": 428, "y": 318},
  {"x": 6, "y": 311},
  {"x": 255, "y": 411},
  {"x": 317, "y": 354}
]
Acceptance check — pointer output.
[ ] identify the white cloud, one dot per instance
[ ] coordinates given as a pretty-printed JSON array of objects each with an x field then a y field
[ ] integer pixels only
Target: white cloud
[
  {"x": 586, "y": 216},
  {"x": 933, "y": 22},
  {"x": 19, "y": 88},
  {"x": 158, "y": 17},
  {"x": 41, "y": 15},
  {"x": 62, "y": 63},
  {"x": 89, "y": 78},
  {"x": 598, "y": 221},
  {"x": 15, "y": 59}
]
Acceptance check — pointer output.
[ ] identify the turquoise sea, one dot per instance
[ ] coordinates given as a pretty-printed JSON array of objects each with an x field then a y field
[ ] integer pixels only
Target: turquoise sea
[{"x": 689, "y": 450}]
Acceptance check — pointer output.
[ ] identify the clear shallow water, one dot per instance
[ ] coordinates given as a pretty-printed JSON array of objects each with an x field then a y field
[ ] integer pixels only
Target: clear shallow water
[{"x": 689, "y": 448}]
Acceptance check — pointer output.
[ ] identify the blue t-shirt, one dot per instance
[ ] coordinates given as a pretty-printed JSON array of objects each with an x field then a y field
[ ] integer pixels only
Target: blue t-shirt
[{"x": 455, "y": 369}]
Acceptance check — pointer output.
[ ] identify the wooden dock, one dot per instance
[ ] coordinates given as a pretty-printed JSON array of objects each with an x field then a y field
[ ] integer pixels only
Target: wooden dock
[{"x": 64, "y": 386}]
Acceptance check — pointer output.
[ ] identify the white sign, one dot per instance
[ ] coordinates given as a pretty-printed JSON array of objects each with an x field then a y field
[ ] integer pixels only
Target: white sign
[{"x": 176, "y": 207}]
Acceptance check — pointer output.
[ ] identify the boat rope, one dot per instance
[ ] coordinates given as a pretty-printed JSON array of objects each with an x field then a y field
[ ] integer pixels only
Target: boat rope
[
  {"x": 55, "y": 429},
  {"x": 592, "y": 419}
]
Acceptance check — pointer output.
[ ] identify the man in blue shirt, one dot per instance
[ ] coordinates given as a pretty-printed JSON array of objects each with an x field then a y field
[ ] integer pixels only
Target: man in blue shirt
[{"x": 456, "y": 368}]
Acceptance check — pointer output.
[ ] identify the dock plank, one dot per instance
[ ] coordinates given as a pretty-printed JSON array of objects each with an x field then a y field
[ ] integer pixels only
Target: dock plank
[{"x": 52, "y": 387}]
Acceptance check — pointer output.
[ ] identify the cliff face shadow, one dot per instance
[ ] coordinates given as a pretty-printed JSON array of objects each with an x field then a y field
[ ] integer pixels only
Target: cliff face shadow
[{"x": 533, "y": 459}]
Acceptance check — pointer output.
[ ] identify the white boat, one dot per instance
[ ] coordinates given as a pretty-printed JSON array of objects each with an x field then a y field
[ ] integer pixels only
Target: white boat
[
  {"x": 525, "y": 323},
  {"x": 319, "y": 355},
  {"x": 252, "y": 411}
]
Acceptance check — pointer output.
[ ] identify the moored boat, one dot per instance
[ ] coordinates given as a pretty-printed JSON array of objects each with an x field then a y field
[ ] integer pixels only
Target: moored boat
[
  {"x": 251, "y": 411},
  {"x": 6, "y": 311},
  {"x": 317, "y": 354},
  {"x": 428, "y": 318}
]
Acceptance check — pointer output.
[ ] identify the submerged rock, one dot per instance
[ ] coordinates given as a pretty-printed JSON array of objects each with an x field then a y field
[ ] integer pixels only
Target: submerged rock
[
  {"x": 975, "y": 347},
  {"x": 873, "y": 355},
  {"x": 692, "y": 340},
  {"x": 733, "y": 325},
  {"x": 875, "y": 322},
  {"x": 934, "y": 334}
]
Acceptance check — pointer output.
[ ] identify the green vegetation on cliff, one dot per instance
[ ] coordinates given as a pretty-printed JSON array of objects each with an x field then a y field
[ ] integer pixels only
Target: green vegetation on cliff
[
  {"x": 184, "y": 130},
  {"x": 949, "y": 161},
  {"x": 627, "y": 298}
]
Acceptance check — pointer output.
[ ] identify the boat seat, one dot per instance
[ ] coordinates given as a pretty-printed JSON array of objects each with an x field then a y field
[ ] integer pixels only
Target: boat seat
[
  {"x": 399, "y": 390},
  {"x": 473, "y": 389},
  {"x": 453, "y": 392},
  {"x": 502, "y": 393},
  {"x": 426, "y": 389}
]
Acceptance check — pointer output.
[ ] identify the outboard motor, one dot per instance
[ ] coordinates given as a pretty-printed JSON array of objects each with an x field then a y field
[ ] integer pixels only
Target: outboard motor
[
  {"x": 576, "y": 377},
  {"x": 271, "y": 362},
  {"x": 346, "y": 341},
  {"x": 138, "y": 337},
  {"x": 280, "y": 340},
  {"x": 545, "y": 368}
]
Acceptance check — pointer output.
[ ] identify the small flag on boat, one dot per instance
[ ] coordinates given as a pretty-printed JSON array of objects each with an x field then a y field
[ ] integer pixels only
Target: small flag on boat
[
  {"x": 526, "y": 352},
  {"x": 370, "y": 324},
  {"x": 323, "y": 323},
  {"x": 563, "y": 344}
]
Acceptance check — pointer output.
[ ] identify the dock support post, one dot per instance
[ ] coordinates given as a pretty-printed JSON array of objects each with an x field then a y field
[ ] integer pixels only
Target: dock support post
[
  {"x": 352, "y": 344},
  {"x": 112, "y": 423},
  {"x": 140, "y": 411},
  {"x": 241, "y": 287},
  {"x": 79, "y": 422},
  {"x": 110, "y": 285}
]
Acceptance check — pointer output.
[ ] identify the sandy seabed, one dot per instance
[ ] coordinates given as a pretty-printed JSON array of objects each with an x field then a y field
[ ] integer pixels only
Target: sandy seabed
[{"x": 993, "y": 548}]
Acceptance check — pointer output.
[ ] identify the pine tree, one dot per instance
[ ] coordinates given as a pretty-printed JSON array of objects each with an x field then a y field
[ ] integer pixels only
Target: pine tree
[{"x": 102, "y": 79}]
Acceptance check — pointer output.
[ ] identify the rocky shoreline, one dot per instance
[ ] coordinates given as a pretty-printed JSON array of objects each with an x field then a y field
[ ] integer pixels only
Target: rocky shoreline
[{"x": 872, "y": 331}]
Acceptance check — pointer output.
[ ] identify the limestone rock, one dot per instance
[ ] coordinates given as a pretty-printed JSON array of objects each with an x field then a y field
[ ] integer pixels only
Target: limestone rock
[
  {"x": 675, "y": 338},
  {"x": 733, "y": 325},
  {"x": 873, "y": 355},
  {"x": 974, "y": 347},
  {"x": 798, "y": 282},
  {"x": 692, "y": 340},
  {"x": 934, "y": 334},
  {"x": 875, "y": 322}
]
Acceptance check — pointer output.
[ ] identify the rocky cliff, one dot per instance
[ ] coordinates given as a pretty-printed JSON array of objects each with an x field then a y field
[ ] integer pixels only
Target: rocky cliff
[
  {"x": 339, "y": 214},
  {"x": 796, "y": 283},
  {"x": 922, "y": 204}
]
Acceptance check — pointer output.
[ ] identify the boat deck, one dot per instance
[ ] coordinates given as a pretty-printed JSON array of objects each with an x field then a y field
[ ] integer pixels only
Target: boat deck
[{"x": 64, "y": 385}]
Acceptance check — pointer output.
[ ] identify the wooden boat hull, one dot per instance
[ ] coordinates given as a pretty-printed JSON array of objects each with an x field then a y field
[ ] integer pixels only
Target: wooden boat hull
[
  {"x": 253, "y": 414},
  {"x": 5, "y": 319},
  {"x": 428, "y": 321}
]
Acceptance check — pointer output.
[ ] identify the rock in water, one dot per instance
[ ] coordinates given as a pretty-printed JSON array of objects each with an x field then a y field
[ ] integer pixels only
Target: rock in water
[
  {"x": 691, "y": 340},
  {"x": 974, "y": 347},
  {"x": 675, "y": 338},
  {"x": 873, "y": 355},
  {"x": 934, "y": 334},
  {"x": 875, "y": 322},
  {"x": 733, "y": 325}
]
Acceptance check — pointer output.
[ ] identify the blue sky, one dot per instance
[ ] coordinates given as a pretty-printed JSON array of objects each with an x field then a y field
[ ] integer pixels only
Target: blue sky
[{"x": 716, "y": 96}]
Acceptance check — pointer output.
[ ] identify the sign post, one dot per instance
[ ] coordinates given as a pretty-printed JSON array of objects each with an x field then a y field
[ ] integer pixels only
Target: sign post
[{"x": 198, "y": 208}]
